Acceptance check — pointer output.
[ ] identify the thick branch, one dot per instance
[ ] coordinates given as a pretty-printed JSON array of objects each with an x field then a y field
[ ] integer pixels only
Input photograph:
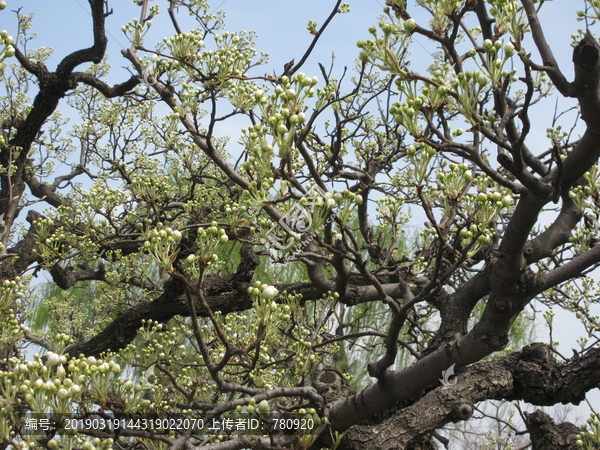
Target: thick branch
[
  {"x": 41, "y": 190},
  {"x": 530, "y": 374},
  {"x": 556, "y": 234},
  {"x": 455, "y": 310},
  {"x": 13, "y": 267},
  {"x": 108, "y": 91},
  {"x": 546, "y": 435},
  {"x": 65, "y": 277},
  {"x": 92, "y": 54},
  {"x": 586, "y": 58},
  {"x": 572, "y": 269},
  {"x": 225, "y": 295},
  {"x": 551, "y": 66}
]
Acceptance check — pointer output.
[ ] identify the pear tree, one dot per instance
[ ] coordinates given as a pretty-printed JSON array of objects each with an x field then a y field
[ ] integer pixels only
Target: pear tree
[{"x": 165, "y": 285}]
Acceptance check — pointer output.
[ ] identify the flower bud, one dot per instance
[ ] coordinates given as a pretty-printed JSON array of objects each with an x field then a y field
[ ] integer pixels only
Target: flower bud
[
  {"x": 410, "y": 25},
  {"x": 481, "y": 78},
  {"x": 263, "y": 406},
  {"x": 509, "y": 49},
  {"x": 62, "y": 393},
  {"x": 53, "y": 359},
  {"x": 270, "y": 292}
]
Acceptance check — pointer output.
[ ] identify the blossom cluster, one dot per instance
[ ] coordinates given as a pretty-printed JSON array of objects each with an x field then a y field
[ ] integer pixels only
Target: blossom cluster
[
  {"x": 7, "y": 41},
  {"x": 589, "y": 437},
  {"x": 283, "y": 114}
]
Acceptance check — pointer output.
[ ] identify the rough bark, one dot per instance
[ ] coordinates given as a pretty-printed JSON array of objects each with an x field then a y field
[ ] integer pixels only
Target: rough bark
[
  {"x": 401, "y": 409},
  {"x": 546, "y": 435},
  {"x": 531, "y": 375},
  {"x": 511, "y": 284}
]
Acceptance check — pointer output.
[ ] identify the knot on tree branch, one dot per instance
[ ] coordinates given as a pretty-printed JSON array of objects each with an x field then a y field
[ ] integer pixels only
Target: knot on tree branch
[
  {"x": 496, "y": 340},
  {"x": 464, "y": 411},
  {"x": 546, "y": 435},
  {"x": 331, "y": 385},
  {"x": 533, "y": 376},
  {"x": 533, "y": 281},
  {"x": 585, "y": 54},
  {"x": 586, "y": 59}
]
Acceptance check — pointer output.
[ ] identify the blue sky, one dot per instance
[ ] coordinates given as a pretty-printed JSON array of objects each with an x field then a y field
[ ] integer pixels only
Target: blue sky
[{"x": 281, "y": 26}]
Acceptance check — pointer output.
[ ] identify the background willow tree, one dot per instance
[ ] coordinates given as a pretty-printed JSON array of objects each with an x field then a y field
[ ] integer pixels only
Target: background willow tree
[{"x": 220, "y": 283}]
